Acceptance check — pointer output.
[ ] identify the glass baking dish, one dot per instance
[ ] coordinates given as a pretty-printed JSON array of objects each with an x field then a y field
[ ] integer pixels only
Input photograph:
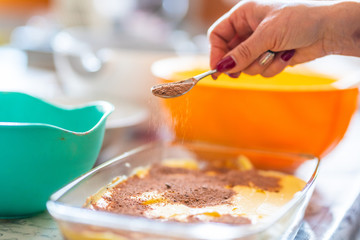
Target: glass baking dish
[{"x": 76, "y": 222}]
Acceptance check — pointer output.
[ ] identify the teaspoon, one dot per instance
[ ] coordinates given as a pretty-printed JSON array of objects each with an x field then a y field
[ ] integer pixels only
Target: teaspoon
[{"x": 176, "y": 89}]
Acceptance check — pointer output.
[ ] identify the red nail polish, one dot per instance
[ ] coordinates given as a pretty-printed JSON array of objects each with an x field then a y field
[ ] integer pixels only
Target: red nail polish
[
  {"x": 214, "y": 77},
  {"x": 287, "y": 55},
  {"x": 234, "y": 75},
  {"x": 225, "y": 64}
]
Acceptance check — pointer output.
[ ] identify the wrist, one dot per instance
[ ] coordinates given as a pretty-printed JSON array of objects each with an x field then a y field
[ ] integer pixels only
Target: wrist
[{"x": 343, "y": 29}]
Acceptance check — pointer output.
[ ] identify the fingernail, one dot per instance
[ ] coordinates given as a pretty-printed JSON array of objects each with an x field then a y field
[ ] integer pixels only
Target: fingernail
[
  {"x": 214, "y": 77},
  {"x": 234, "y": 75},
  {"x": 287, "y": 55},
  {"x": 225, "y": 64}
]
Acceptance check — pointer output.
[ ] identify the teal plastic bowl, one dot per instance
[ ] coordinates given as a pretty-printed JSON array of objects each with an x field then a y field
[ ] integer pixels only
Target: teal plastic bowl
[{"x": 43, "y": 147}]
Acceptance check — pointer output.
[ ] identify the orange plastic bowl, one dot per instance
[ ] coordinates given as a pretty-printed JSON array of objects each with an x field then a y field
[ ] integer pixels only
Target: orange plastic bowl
[{"x": 296, "y": 111}]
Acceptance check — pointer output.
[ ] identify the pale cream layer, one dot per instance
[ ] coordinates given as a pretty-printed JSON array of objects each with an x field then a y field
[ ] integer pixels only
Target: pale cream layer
[
  {"x": 252, "y": 203},
  {"x": 248, "y": 202}
]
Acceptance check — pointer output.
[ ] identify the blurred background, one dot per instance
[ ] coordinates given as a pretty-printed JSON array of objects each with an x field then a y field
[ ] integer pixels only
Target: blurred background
[
  {"x": 93, "y": 44},
  {"x": 72, "y": 52}
]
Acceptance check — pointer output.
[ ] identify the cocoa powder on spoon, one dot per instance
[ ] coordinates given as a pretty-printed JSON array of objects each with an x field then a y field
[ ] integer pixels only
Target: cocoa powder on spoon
[{"x": 172, "y": 89}]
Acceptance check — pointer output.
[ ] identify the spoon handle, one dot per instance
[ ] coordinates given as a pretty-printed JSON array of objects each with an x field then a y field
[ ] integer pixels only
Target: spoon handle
[{"x": 205, "y": 74}]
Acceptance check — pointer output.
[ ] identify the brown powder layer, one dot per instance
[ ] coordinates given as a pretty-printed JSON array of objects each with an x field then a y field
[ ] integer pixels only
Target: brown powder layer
[
  {"x": 121, "y": 202},
  {"x": 193, "y": 188},
  {"x": 250, "y": 178}
]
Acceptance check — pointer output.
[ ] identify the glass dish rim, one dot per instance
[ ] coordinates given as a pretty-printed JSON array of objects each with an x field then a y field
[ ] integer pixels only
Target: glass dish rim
[{"x": 74, "y": 214}]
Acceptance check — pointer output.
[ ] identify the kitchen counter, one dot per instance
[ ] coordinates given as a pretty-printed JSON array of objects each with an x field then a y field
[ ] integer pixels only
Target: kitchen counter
[
  {"x": 334, "y": 209},
  {"x": 40, "y": 227},
  {"x": 333, "y": 212}
]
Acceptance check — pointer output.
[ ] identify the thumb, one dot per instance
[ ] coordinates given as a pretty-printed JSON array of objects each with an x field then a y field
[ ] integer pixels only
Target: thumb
[{"x": 244, "y": 54}]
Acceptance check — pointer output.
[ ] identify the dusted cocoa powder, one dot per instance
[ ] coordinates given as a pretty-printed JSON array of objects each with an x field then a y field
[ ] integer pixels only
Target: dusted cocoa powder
[
  {"x": 193, "y": 188},
  {"x": 172, "y": 89}
]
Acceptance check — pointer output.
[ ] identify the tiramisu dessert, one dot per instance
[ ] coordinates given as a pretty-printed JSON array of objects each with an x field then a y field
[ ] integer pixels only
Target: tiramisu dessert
[{"x": 189, "y": 191}]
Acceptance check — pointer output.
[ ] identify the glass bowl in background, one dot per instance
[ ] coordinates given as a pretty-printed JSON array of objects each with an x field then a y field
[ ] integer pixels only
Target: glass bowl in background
[{"x": 76, "y": 222}]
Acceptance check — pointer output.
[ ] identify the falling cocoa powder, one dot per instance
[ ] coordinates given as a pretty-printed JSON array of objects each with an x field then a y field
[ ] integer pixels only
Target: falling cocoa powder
[{"x": 172, "y": 89}]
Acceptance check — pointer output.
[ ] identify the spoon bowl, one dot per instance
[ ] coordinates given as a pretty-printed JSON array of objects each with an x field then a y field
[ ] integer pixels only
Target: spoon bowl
[{"x": 179, "y": 88}]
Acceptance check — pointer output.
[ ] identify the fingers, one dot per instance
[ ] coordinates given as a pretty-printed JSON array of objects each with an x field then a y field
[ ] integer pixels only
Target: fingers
[
  {"x": 258, "y": 66},
  {"x": 271, "y": 67},
  {"x": 219, "y": 34},
  {"x": 268, "y": 64},
  {"x": 278, "y": 65},
  {"x": 248, "y": 51},
  {"x": 234, "y": 75},
  {"x": 266, "y": 58},
  {"x": 239, "y": 40},
  {"x": 223, "y": 37}
]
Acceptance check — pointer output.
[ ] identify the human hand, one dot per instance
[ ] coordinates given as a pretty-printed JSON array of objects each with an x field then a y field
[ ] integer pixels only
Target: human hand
[{"x": 297, "y": 31}]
